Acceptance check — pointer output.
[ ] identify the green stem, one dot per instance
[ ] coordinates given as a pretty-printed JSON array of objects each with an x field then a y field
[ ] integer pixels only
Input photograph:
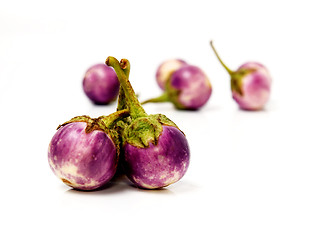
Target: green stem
[
  {"x": 222, "y": 63},
  {"x": 122, "y": 98},
  {"x": 162, "y": 98},
  {"x": 111, "y": 119},
  {"x": 132, "y": 102}
]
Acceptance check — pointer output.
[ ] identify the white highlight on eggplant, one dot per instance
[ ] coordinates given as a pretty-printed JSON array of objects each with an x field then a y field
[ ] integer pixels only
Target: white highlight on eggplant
[
  {"x": 70, "y": 172},
  {"x": 188, "y": 95},
  {"x": 141, "y": 183},
  {"x": 174, "y": 178},
  {"x": 168, "y": 68}
]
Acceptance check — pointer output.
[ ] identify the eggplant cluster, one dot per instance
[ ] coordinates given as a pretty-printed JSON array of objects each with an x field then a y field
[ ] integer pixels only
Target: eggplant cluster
[
  {"x": 188, "y": 87},
  {"x": 85, "y": 152}
]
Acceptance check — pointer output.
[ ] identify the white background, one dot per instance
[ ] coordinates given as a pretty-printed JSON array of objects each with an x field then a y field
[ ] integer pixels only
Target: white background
[{"x": 253, "y": 175}]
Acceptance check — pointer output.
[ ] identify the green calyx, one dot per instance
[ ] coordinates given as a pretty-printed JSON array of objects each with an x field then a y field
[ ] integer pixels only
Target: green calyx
[
  {"x": 102, "y": 123},
  {"x": 174, "y": 94},
  {"x": 142, "y": 131},
  {"x": 145, "y": 130},
  {"x": 92, "y": 123},
  {"x": 236, "y": 79},
  {"x": 236, "y": 85},
  {"x": 112, "y": 125}
]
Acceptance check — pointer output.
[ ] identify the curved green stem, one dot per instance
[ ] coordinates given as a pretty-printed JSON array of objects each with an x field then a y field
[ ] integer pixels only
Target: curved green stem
[
  {"x": 222, "y": 63},
  {"x": 111, "y": 119},
  {"x": 134, "y": 106},
  {"x": 162, "y": 98},
  {"x": 104, "y": 123}
]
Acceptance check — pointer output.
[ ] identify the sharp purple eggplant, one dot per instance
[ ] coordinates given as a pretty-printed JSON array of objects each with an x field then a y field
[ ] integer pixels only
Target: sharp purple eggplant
[{"x": 84, "y": 152}]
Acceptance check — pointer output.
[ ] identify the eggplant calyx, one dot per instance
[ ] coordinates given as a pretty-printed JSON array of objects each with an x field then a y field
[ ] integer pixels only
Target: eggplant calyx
[{"x": 145, "y": 130}]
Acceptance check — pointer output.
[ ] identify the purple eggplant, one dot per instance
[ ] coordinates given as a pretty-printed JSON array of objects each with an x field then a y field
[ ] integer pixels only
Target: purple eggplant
[
  {"x": 250, "y": 84},
  {"x": 188, "y": 88},
  {"x": 101, "y": 84},
  {"x": 159, "y": 164},
  {"x": 155, "y": 151},
  {"x": 84, "y": 152},
  {"x": 165, "y": 70}
]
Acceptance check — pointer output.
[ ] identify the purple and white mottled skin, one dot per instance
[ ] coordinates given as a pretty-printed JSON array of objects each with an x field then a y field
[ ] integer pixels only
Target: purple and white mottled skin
[
  {"x": 158, "y": 165},
  {"x": 165, "y": 70},
  {"x": 101, "y": 84},
  {"x": 255, "y": 87},
  {"x": 84, "y": 161},
  {"x": 193, "y": 85}
]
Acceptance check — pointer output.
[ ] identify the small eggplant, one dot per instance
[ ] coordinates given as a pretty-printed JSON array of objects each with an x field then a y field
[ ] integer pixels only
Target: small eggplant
[
  {"x": 250, "y": 84},
  {"x": 84, "y": 152},
  {"x": 188, "y": 88},
  {"x": 101, "y": 84}
]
